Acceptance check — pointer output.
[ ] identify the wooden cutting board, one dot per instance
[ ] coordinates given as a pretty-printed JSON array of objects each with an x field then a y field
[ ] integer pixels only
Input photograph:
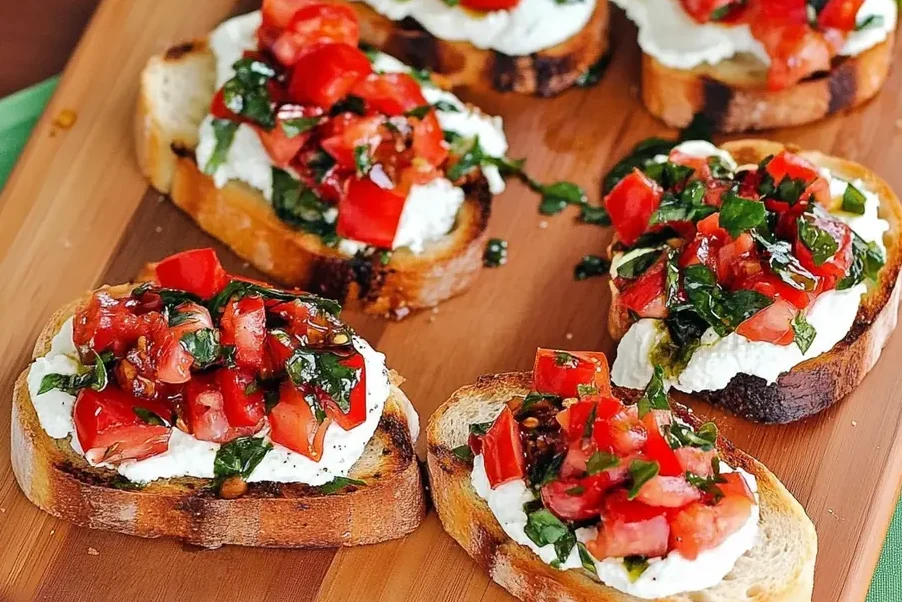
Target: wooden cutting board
[{"x": 77, "y": 213}]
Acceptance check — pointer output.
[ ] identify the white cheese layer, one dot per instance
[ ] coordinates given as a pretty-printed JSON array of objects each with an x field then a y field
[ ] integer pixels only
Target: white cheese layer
[
  {"x": 666, "y": 576},
  {"x": 670, "y": 35},
  {"x": 431, "y": 209},
  {"x": 531, "y": 26},
  {"x": 190, "y": 457},
  {"x": 718, "y": 360}
]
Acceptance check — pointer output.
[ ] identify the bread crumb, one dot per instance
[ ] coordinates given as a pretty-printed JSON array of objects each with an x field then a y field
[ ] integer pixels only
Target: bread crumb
[
  {"x": 52, "y": 531},
  {"x": 543, "y": 224},
  {"x": 854, "y": 423},
  {"x": 568, "y": 336},
  {"x": 158, "y": 229},
  {"x": 434, "y": 310},
  {"x": 93, "y": 552},
  {"x": 246, "y": 264},
  {"x": 2, "y": 510},
  {"x": 65, "y": 119}
]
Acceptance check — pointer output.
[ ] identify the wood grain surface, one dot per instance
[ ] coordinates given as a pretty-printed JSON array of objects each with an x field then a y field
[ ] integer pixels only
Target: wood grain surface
[{"x": 77, "y": 213}]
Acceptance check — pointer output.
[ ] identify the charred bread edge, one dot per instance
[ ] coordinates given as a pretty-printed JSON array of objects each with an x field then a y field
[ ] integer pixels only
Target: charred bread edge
[
  {"x": 817, "y": 383},
  {"x": 60, "y": 482},
  {"x": 544, "y": 73},
  {"x": 468, "y": 520}
]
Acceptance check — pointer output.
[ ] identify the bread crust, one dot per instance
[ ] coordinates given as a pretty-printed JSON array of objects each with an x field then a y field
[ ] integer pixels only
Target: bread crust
[
  {"x": 544, "y": 73},
  {"x": 241, "y": 218},
  {"x": 734, "y": 96},
  {"x": 468, "y": 519},
  {"x": 60, "y": 482},
  {"x": 815, "y": 384}
]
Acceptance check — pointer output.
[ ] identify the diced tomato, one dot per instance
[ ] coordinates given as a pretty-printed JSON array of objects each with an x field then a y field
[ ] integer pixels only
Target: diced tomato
[
  {"x": 356, "y": 413},
  {"x": 294, "y": 424},
  {"x": 668, "y": 492},
  {"x": 316, "y": 23},
  {"x": 110, "y": 427},
  {"x": 187, "y": 318},
  {"x": 701, "y": 250},
  {"x": 204, "y": 411},
  {"x": 170, "y": 358},
  {"x": 701, "y": 170},
  {"x": 630, "y": 528},
  {"x": 658, "y": 449},
  {"x": 296, "y": 313},
  {"x": 561, "y": 372},
  {"x": 840, "y": 14},
  {"x": 575, "y": 499},
  {"x": 573, "y": 418},
  {"x": 278, "y": 13},
  {"x": 837, "y": 265},
  {"x": 242, "y": 398},
  {"x": 326, "y": 73},
  {"x": 197, "y": 271},
  {"x": 701, "y": 10},
  {"x": 502, "y": 451},
  {"x": 790, "y": 165},
  {"x": 349, "y": 132},
  {"x": 735, "y": 486},
  {"x": 631, "y": 203},
  {"x": 796, "y": 50},
  {"x": 281, "y": 146},
  {"x": 369, "y": 213},
  {"x": 106, "y": 323},
  {"x": 244, "y": 326},
  {"x": 280, "y": 346},
  {"x": 699, "y": 526},
  {"x": 736, "y": 251},
  {"x": 773, "y": 324},
  {"x": 645, "y": 295},
  {"x": 623, "y": 433},
  {"x": 771, "y": 285},
  {"x": 429, "y": 140},
  {"x": 696, "y": 460},
  {"x": 390, "y": 93},
  {"x": 489, "y": 5}
]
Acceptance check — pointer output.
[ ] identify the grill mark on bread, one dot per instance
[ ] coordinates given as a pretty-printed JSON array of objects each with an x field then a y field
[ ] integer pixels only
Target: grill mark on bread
[
  {"x": 717, "y": 98},
  {"x": 176, "y": 52},
  {"x": 843, "y": 86}
]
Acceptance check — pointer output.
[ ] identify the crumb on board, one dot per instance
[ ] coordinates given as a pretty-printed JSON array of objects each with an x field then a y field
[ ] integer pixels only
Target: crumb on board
[
  {"x": 93, "y": 552},
  {"x": 434, "y": 310},
  {"x": 65, "y": 119},
  {"x": 568, "y": 336},
  {"x": 158, "y": 229},
  {"x": 2, "y": 510},
  {"x": 52, "y": 531},
  {"x": 543, "y": 224},
  {"x": 854, "y": 423}
]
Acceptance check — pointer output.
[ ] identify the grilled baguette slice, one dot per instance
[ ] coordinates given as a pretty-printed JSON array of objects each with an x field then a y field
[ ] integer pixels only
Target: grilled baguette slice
[
  {"x": 544, "y": 73},
  {"x": 175, "y": 92},
  {"x": 734, "y": 95},
  {"x": 62, "y": 483},
  {"x": 818, "y": 383},
  {"x": 780, "y": 568}
]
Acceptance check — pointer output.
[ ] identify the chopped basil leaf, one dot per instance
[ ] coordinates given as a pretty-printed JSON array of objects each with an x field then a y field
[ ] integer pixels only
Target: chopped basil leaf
[
  {"x": 700, "y": 128},
  {"x": 872, "y": 20},
  {"x": 495, "y": 253},
  {"x": 325, "y": 370},
  {"x": 594, "y": 215},
  {"x": 804, "y": 332},
  {"x": 820, "y": 242},
  {"x": 203, "y": 345},
  {"x": 671, "y": 280},
  {"x": 534, "y": 397},
  {"x": 544, "y": 528},
  {"x": 710, "y": 484},
  {"x": 601, "y": 461},
  {"x": 565, "y": 360},
  {"x": 247, "y": 95},
  {"x": 719, "y": 169},
  {"x": 853, "y": 200},
  {"x": 590, "y": 266},
  {"x": 424, "y": 76},
  {"x": 349, "y": 104},
  {"x": 96, "y": 378},
  {"x": 469, "y": 156},
  {"x": 463, "y": 452},
  {"x": 556, "y": 196},
  {"x": 445, "y": 106},
  {"x": 641, "y": 155},
  {"x": 339, "y": 483},
  {"x": 641, "y": 472},
  {"x": 298, "y": 206},
  {"x": 635, "y": 566},
  {"x": 867, "y": 261},
  {"x": 270, "y": 399},
  {"x": 638, "y": 265},
  {"x": 681, "y": 435},
  {"x": 576, "y": 490},
  {"x": 586, "y": 390},
  {"x": 418, "y": 112},
  {"x": 590, "y": 422},
  {"x": 689, "y": 206},
  {"x": 655, "y": 396},
  {"x": 545, "y": 469},
  {"x": 242, "y": 288},
  {"x": 593, "y": 74},
  {"x": 362, "y": 161},
  {"x": 738, "y": 215},
  {"x": 442, "y": 105},
  {"x": 224, "y": 132},
  {"x": 668, "y": 174},
  {"x": 785, "y": 265},
  {"x": 298, "y": 125},
  {"x": 480, "y": 428},
  {"x": 586, "y": 559},
  {"x": 240, "y": 457},
  {"x": 723, "y": 310},
  {"x": 150, "y": 417}
]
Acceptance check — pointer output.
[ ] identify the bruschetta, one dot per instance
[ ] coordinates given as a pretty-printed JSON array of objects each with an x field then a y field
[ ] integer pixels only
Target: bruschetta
[
  {"x": 216, "y": 410},
  {"x": 331, "y": 168},
  {"x": 540, "y": 47},
  {"x": 760, "y": 64},
  {"x": 563, "y": 488},
  {"x": 761, "y": 278}
]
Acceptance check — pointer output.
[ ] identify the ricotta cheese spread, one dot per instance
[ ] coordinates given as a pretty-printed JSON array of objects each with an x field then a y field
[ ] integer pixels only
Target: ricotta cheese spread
[
  {"x": 190, "y": 457},
  {"x": 670, "y": 35},
  {"x": 431, "y": 209},
  {"x": 719, "y": 359},
  {"x": 531, "y": 26},
  {"x": 666, "y": 576}
]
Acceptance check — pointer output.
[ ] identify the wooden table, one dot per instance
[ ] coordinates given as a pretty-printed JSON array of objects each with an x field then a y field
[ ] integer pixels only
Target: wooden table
[{"x": 77, "y": 213}]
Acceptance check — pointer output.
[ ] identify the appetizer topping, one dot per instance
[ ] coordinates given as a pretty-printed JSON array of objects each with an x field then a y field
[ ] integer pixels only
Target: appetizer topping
[
  {"x": 797, "y": 39},
  {"x": 711, "y": 249},
  {"x": 219, "y": 360},
  {"x": 618, "y": 489},
  {"x": 495, "y": 254}
]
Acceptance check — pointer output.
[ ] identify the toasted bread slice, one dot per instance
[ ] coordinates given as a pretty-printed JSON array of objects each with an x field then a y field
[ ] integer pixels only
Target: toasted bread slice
[
  {"x": 61, "y": 482},
  {"x": 818, "y": 383},
  {"x": 734, "y": 95},
  {"x": 175, "y": 93},
  {"x": 780, "y": 568},
  {"x": 544, "y": 73}
]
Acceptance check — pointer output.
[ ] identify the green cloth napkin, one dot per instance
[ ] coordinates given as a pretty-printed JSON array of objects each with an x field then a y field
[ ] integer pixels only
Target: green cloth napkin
[{"x": 20, "y": 111}]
